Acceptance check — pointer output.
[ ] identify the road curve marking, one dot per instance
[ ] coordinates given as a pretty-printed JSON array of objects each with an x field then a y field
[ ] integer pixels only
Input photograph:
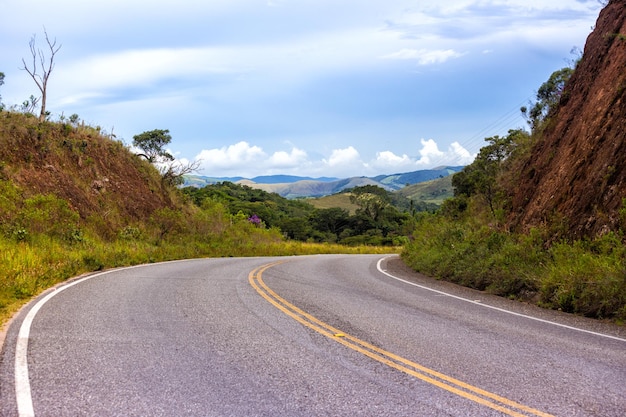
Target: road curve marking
[
  {"x": 23, "y": 394},
  {"x": 455, "y": 386},
  {"x": 502, "y": 310}
]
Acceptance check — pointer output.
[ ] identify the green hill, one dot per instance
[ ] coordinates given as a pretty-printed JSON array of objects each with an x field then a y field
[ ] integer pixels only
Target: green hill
[
  {"x": 340, "y": 200},
  {"x": 434, "y": 191},
  {"x": 303, "y": 187},
  {"x": 73, "y": 200}
]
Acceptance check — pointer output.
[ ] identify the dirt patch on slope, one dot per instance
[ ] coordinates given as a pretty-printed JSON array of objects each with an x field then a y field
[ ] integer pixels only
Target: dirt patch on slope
[
  {"x": 576, "y": 174},
  {"x": 98, "y": 176}
]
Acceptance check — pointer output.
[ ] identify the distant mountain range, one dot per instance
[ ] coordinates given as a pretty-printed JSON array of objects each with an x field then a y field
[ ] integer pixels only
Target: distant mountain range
[{"x": 290, "y": 186}]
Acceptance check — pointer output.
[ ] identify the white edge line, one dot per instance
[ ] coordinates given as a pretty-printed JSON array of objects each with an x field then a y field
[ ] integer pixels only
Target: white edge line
[
  {"x": 378, "y": 266},
  {"x": 23, "y": 393},
  {"x": 22, "y": 383}
]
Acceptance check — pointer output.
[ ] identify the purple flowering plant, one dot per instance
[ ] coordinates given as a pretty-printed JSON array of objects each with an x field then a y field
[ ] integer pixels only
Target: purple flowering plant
[{"x": 254, "y": 219}]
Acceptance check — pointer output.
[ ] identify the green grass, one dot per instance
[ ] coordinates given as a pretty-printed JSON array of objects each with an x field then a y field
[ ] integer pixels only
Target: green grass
[
  {"x": 435, "y": 191},
  {"x": 341, "y": 200},
  {"x": 28, "y": 268},
  {"x": 74, "y": 201},
  {"x": 584, "y": 277}
]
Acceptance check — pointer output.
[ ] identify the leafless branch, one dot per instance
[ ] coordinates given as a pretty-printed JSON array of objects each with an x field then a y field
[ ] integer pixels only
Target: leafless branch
[
  {"x": 41, "y": 79},
  {"x": 173, "y": 172}
]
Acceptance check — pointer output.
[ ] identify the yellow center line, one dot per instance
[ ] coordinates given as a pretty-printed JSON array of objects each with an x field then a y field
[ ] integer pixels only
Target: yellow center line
[{"x": 438, "y": 379}]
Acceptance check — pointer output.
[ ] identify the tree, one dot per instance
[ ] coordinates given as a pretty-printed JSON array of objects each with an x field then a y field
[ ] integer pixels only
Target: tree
[
  {"x": 330, "y": 220},
  {"x": 174, "y": 171},
  {"x": 480, "y": 177},
  {"x": 29, "y": 106},
  {"x": 548, "y": 97},
  {"x": 370, "y": 205},
  {"x": 152, "y": 143},
  {"x": 371, "y": 199},
  {"x": 40, "y": 63}
]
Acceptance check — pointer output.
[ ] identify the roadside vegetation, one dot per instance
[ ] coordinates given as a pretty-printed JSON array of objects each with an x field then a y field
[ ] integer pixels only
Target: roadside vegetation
[
  {"x": 468, "y": 241},
  {"x": 74, "y": 199},
  {"x": 368, "y": 215}
]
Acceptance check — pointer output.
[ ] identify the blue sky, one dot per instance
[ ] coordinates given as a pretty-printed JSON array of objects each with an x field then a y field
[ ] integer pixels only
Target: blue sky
[{"x": 302, "y": 87}]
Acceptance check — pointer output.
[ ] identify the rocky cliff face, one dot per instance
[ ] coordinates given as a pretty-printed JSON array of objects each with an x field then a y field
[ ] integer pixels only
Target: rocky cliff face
[{"x": 576, "y": 174}]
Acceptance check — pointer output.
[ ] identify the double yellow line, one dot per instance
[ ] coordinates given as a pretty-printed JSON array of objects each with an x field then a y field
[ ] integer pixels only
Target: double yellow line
[{"x": 438, "y": 379}]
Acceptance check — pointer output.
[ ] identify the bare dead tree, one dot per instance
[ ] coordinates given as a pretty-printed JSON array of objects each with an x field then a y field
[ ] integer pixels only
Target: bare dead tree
[
  {"x": 40, "y": 63},
  {"x": 172, "y": 172}
]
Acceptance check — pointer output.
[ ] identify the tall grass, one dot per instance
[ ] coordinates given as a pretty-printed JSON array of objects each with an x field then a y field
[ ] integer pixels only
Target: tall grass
[
  {"x": 31, "y": 266},
  {"x": 587, "y": 277},
  {"x": 582, "y": 277}
]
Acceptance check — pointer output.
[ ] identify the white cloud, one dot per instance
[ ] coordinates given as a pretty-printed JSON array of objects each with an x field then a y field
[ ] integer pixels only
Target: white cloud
[
  {"x": 282, "y": 159},
  {"x": 240, "y": 156},
  {"x": 387, "y": 160},
  {"x": 243, "y": 159},
  {"x": 141, "y": 68},
  {"x": 229, "y": 70},
  {"x": 458, "y": 155},
  {"x": 424, "y": 56},
  {"x": 479, "y": 25},
  {"x": 429, "y": 152},
  {"x": 246, "y": 160},
  {"x": 430, "y": 157},
  {"x": 343, "y": 157}
]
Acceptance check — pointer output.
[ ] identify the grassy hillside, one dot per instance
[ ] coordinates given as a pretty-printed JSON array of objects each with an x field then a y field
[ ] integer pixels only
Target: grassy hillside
[
  {"x": 304, "y": 187},
  {"x": 73, "y": 200},
  {"x": 310, "y": 188},
  {"x": 399, "y": 181},
  {"x": 434, "y": 191},
  {"x": 469, "y": 240},
  {"x": 341, "y": 200},
  {"x": 372, "y": 219}
]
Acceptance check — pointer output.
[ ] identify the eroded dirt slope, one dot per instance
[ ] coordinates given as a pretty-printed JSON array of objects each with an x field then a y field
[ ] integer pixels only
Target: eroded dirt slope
[
  {"x": 98, "y": 177},
  {"x": 576, "y": 174}
]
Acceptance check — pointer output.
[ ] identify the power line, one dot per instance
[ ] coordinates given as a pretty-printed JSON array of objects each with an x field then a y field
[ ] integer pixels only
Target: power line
[{"x": 500, "y": 126}]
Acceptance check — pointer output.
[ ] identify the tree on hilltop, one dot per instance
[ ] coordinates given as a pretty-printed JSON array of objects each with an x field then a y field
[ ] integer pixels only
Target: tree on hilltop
[
  {"x": 40, "y": 63},
  {"x": 153, "y": 143}
]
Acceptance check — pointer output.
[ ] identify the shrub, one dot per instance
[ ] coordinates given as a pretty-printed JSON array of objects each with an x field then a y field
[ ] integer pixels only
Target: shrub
[
  {"x": 49, "y": 215},
  {"x": 583, "y": 277},
  {"x": 130, "y": 233},
  {"x": 587, "y": 278}
]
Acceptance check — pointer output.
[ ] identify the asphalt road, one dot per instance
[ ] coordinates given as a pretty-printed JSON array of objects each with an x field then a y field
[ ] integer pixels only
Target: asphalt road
[{"x": 302, "y": 336}]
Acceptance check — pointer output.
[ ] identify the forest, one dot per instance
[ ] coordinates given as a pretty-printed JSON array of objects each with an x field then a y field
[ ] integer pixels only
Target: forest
[{"x": 377, "y": 221}]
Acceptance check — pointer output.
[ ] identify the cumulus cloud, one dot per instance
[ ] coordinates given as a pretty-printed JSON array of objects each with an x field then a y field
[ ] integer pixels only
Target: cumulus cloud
[
  {"x": 387, "y": 160},
  {"x": 459, "y": 155},
  {"x": 429, "y": 152},
  {"x": 430, "y": 156},
  {"x": 390, "y": 158},
  {"x": 239, "y": 156},
  {"x": 343, "y": 157},
  {"x": 245, "y": 160},
  {"x": 425, "y": 56},
  {"x": 282, "y": 159}
]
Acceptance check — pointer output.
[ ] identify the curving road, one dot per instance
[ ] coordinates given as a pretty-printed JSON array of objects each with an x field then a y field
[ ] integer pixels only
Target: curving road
[{"x": 324, "y": 335}]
